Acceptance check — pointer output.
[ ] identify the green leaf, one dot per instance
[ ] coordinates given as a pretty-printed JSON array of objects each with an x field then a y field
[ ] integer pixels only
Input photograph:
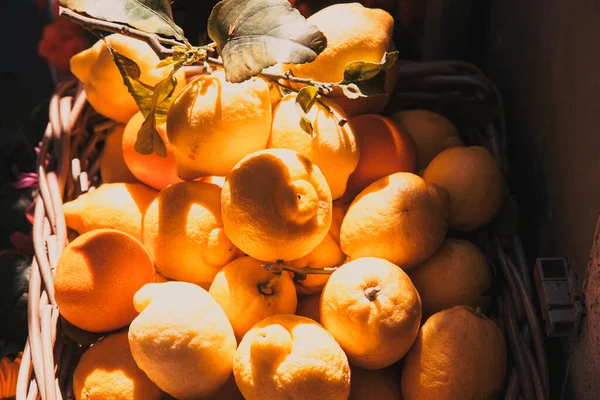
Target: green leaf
[
  {"x": 166, "y": 62},
  {"x": 366, "y": 88},
  {"x": 154, "y": 102},
  {"x": 148, "y": 140},
  {"x": 356, "y": 71},
  {"x": 130, "y": 71},
  {"x": 255, "y": 34},
  {"x": 306, "y": 125},
  {"x": 152, "y": 16},
  {"x": 306, "y": 98}
]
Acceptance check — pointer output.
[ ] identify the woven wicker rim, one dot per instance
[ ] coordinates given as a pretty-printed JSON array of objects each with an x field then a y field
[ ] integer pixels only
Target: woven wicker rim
[{"x": 68, "y": 166}]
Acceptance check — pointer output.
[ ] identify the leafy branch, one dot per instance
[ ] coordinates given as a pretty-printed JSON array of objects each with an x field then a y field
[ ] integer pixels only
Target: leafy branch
[{"x": 249, "y": 36}]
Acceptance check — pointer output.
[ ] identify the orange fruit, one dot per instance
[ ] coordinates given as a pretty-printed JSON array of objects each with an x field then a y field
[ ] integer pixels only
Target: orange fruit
[
  {"x": 103, "y": 83},
  {"x": 182, "y": 339},
  {"x": 459, "y": 354},
  {"x": 290, "y": 357},
  {"x": 398, "y": 217},
  {"x": 112, "y": 164},
  {"x": 183, "y": 231},
  {"x": 373, "y": 311},
  {"x": 474, "y": 182},
  {"x": 331, "y": 147},
  {"x": 431, "y": 132},
  {"x": 354, "y": 33},
  {"x": 457, "y": 274},
  {"x": 108, "y": 371},
  {"x": 385, "y": 148},
  {"x": 213, "y": 124},
  {"x": 276, "y": 205},
  {"x": 96, "y": 278},
  {"x": 117, "y": 206},
  {"x": 245, "y": 281},
  {"x": 153, "y": 170}
]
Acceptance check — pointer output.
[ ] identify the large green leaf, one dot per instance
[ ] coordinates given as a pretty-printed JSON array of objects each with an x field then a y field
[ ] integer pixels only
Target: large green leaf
[
  {"x": 255, "y": 34},
  {"x": 148, "y": 140},
  {"x": 152, "y": 16}
]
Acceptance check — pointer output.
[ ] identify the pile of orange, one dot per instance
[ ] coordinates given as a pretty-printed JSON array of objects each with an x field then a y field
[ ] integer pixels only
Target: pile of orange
[{"x": 259, "y": 261}]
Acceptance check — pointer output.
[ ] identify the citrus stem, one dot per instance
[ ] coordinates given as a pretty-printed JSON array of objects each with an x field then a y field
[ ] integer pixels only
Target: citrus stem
[
  {"x": 372, "y": 292},
  {"x": 266, "y": 287},
  {"x": 157, "y": 43}
]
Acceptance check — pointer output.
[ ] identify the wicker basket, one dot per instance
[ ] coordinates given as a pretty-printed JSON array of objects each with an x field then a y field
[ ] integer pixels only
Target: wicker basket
[{"x": 68, "y": 166}]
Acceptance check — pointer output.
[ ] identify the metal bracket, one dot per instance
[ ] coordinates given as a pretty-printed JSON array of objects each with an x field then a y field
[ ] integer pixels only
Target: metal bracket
[{"x": 560, "y": 299}]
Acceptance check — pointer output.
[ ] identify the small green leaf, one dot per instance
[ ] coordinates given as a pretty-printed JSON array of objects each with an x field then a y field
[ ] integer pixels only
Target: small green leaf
[
  {"x": 152, "y": 16},
  {"x": 371, "y": 87},
  {"x": 154, "y": 102},
  {"x": 148, "y": 140},
  {"x": 166, "y": 62},
  {"x": 306, "y": 98},
  {"x": 356, "y": 71},
  {"x": 79, "y": 335},
  {"x": 130, "y": 71},
  {"x": 255, "y": 34},
  {"x": 306, "y": 125}
]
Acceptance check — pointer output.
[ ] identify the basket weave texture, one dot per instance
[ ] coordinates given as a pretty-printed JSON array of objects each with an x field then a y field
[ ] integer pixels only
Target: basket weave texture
[{"x": 68, "y": 166}]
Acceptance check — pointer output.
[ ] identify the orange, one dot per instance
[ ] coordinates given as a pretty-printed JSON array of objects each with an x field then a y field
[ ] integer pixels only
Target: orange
[
  {"x": 474, "y": 182},
  {"x": 183, "y": 231},
  {"x": 96, "y": 278},
  {"x": 245, "y": 281},
  {"x": 459, "y": 354},
  {"x": 182, "y": 339},
  {"x": 398, "y": 217},
  {"x": 103, "y": 83},
  {"x": 107, "y": 371},
  {"x": 373, "y": 311},
  {"x": 276, "y": 205},
  {"x": 457, "y": 274},
  {"x": 112, "y": 206},
  {"x": 290, "y": 357},
  {"x": 331, "y": 147},
  {"x": 153, "y": 170},
  {"x": 213, "y": 124},
  {"x": 385, "y": 148},
  {"x": 112, "y": 164},
  {"x": 354, "y": 33},
  {"x": 432, "y": 133}
]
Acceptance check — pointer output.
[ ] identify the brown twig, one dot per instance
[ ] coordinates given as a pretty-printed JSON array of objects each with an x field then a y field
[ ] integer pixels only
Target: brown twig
[
  {"x": 155, "y": 41},
  {"x": 279, "y": 266}
]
